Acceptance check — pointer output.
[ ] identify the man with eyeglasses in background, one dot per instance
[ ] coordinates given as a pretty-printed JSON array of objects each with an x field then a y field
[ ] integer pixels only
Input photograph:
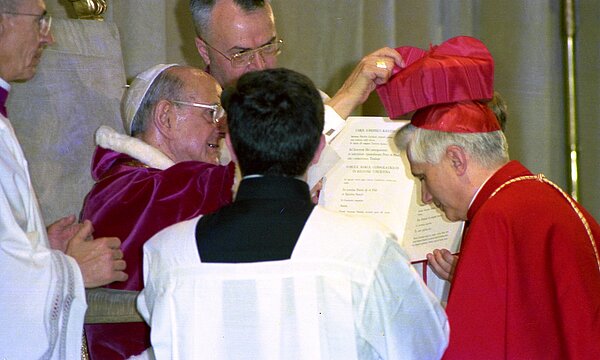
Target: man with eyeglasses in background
[
  {"x": 44, "y": 271},
  {"x": 166, "y": 171},
  {"x": 238, "y": 36}
]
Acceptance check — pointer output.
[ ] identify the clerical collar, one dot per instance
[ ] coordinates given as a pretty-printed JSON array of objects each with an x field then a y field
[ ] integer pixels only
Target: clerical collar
[
  {"x": 4, "y": 89},
  {"x": 253, "y": 176},
  {"x": 478, "y": 190}
]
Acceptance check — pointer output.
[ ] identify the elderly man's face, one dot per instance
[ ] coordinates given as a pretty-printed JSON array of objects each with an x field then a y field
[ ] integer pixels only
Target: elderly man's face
[
  {"x": 21, "y": 43},
  {"x": 232, "y": 31},
  {"x": 440, "y": 186},
  {"x": 194, "y": 135}
]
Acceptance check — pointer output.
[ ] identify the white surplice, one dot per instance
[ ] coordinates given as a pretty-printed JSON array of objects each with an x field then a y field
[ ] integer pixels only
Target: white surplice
[
  {"x": 348, "y": 292},
  {"x": 42, "y": 297}
]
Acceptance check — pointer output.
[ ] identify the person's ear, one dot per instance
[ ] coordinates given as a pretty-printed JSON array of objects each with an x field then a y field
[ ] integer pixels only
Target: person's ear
[
  {"x": 458, "y": 159},
  {"x": 202, "y": 50},
  {"x": 319, "y": 150},
  {"x": 230, "y": 148},
  {"x": 162, "y": 117}
]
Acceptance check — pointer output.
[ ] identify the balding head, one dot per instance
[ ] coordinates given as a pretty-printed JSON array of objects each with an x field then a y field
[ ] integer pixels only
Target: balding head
[
  {"x": 232, "y": 28},
  {"x": 177, "y": 115},
  {"x": 202, "y": 10}
]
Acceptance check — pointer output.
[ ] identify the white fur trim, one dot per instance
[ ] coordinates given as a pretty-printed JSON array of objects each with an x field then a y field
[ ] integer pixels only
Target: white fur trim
[{"x": 108, "y": 138}]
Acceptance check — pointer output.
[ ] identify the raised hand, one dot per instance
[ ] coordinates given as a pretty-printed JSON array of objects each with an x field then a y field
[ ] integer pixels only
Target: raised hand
[{"x": 374, "y": 69}]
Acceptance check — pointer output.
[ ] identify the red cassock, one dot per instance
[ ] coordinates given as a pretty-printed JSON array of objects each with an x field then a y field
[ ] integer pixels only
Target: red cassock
[
  {"x": 527, "y": 284},
  {"x": 133, "y": 202}
]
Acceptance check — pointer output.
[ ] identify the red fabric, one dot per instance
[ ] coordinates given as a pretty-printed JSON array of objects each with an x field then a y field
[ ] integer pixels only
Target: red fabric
[
  {"x": 133, "y": 203},
  {"x": 459, "y": 69},
  {"x": 3, "y": 97},
  {"x": 460, "y": 117},
  {"x": 527, "y": 284}
]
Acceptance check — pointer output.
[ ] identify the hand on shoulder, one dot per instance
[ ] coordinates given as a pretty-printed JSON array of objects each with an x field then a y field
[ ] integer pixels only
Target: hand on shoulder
[{"x": 100, "y": 260}]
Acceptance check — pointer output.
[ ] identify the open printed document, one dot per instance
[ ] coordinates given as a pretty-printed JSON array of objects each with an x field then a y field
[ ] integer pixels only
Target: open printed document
[{"x": 372, "y": 178}]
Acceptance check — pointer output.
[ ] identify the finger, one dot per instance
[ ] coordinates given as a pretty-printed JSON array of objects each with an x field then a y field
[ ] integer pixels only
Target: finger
[
  {"x": 61, "y": 223},
  {"x": 120, "y": 276},
  {"x": 438, "y": 265},
  {"x": 439, "y": 271},
  {"x": 84, "y": 232},
  {"x": 90, "y": 224},
  {"x": 117, "y": 254},
  {"x": 119, "y": 265},
  {"x": 433, "y": 261},
  {"x": 66, "y": 221},
  {"x": 379, "y": 70},
  {"x": 447, "y": 255},
  {"x": 442, "y": 252},
  {"x": 390, "y": 53},
  {"x": 110, "y": 242},
  {"x": 442, "y": 262}
]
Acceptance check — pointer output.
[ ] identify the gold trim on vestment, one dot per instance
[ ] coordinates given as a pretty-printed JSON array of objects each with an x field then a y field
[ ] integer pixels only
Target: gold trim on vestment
[{"x": 136, "y": 163}]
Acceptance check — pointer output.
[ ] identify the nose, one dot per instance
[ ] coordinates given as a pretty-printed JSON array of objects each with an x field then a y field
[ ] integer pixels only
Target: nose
[
  {"x": 222, "y": 126},
  {"x": 258, "y": 61},
  {"x": 47, "y": 39},
  {"x": 425, "y": 195}
]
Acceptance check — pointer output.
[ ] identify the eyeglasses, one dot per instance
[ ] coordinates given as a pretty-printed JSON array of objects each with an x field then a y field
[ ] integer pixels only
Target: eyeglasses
[
  {"x": 44, "y": 20},
  {"x": 245, "y": 57},
  {"x": 218, "y": 112}
]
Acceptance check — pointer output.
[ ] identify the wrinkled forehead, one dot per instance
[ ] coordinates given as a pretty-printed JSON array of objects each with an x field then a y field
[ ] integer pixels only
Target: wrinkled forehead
[
  {"x": 199, "y": 86},
  {"x": 29, "y": 6},
  {"x": 233, "y": 27}
]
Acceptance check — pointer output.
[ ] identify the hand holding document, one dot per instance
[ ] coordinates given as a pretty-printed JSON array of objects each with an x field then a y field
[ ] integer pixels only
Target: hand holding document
[{"x": 373, "y": 178}]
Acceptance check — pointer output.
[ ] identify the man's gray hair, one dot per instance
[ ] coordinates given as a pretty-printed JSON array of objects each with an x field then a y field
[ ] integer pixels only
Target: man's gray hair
[
  {"x": 202, "y": 10},
  {"x": 489, "y": 149},
  {"x": 165, "y": 86}
]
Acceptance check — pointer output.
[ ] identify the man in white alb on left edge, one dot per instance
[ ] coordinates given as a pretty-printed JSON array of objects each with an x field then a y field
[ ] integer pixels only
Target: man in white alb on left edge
[{"x": 44, "y": 271}]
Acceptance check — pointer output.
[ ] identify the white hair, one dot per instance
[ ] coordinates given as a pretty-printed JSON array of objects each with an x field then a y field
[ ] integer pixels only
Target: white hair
[{"x": 488, "y": 149}]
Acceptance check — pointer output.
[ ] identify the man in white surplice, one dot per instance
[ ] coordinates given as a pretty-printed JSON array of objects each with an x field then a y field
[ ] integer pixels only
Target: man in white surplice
[
  {"x": 42, "y": 298},
  {"x": 272, "y": 276}
]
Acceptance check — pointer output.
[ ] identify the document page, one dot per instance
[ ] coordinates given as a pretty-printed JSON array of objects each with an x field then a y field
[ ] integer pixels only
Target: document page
[{"x": 372, "y": 178}]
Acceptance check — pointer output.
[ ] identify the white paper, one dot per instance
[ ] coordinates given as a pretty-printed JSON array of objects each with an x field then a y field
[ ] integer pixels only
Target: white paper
[
  {"x": 317, "y": 171},
  {"x": 427, "y": 229},
  {"x": 373, "y": 178}
]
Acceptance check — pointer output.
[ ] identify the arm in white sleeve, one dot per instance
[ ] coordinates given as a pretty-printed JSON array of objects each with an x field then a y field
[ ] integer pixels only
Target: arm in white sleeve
[
  {"x": 42, "y": 295},
  {"x": 145, "y": 300},
  {"x": 333, "y": 123},
  {"x": 414, "y": 322}
]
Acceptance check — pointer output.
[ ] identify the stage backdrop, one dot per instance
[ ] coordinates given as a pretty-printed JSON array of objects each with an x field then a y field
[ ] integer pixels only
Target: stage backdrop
[{"x": 325, "y": 38}]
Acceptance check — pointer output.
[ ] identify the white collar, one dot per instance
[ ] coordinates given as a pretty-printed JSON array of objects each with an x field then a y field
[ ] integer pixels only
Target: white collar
[
  {"x": 108, "y": 138},
  {"x": 478, "y": 190},
  {"x": 4, "y": 84}
]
